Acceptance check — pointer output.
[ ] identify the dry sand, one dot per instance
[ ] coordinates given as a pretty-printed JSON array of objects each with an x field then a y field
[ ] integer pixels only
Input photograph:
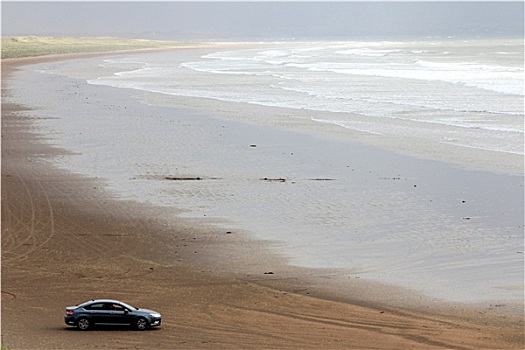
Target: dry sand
[{"x": 65, "y": 241}]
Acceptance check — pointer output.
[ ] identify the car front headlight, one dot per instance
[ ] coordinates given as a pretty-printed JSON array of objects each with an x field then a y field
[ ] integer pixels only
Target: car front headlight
[{"x": 156, "y": 315}]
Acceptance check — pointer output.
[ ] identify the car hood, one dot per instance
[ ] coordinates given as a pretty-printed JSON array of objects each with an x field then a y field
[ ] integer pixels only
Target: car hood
[{"x": 148, "y": 311}]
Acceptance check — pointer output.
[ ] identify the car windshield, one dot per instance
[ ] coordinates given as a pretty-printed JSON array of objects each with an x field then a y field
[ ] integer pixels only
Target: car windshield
[{"x": 85, "y": 303}]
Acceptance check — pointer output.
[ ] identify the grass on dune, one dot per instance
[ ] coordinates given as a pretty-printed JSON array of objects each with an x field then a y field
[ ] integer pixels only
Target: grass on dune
[{"x": 26, "y": 46}]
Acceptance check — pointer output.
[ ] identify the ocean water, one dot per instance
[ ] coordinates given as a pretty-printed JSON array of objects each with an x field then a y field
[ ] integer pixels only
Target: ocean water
[
  {"x": 448, "y": 232},
  {"x": 461, "y": 92}
]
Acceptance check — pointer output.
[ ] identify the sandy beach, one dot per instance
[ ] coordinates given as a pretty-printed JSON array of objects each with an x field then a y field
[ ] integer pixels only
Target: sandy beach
[{"x": 65, "y": 239}]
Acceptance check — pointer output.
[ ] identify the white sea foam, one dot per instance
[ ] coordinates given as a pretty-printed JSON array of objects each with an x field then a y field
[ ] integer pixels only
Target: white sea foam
[{"x": 465, "y": 85}]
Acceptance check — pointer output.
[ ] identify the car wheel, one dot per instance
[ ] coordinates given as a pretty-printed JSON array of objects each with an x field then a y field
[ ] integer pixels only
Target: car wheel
[
  {"x": 83, "y": 324},
  {"x": 141, "y": 324}
]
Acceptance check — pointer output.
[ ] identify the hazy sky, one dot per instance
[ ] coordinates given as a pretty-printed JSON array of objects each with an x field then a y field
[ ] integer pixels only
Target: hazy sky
[{"x": 262, "y": 20}]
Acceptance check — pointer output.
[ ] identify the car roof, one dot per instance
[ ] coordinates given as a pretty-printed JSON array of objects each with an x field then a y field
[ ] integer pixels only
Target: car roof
[
  {"x": 93, "y": 301},
  {"x": 100, "y": 301}
]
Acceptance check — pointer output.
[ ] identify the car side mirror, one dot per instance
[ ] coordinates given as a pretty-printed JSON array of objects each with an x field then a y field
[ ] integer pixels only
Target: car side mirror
[{"x": 126, "y": 311}]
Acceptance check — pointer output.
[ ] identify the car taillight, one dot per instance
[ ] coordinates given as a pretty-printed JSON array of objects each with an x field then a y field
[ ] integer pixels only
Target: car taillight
[{"x": 69, "y": 312}]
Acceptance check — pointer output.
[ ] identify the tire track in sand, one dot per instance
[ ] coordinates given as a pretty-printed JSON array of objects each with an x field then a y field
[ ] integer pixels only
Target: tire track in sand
[{"x": 25, "y": 230}]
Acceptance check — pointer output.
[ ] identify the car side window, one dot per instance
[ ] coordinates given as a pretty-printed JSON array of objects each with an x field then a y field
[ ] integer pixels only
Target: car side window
[
  {"x": 96, "y": 307},
  {"x": 117, "y": 307}
]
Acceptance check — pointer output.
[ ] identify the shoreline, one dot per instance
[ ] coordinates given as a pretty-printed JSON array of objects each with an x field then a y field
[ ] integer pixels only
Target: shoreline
[
  {"x": 93, "y": 206},
  {"x": 429, "y": 231}
]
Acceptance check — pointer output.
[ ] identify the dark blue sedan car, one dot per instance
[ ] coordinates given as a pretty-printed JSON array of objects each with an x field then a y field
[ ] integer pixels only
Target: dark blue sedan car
[{"x": 110, "y": 312}]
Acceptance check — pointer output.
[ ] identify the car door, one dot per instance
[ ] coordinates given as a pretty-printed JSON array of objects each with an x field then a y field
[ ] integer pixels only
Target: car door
[
  {"x": 98, "y": 312},
  {"x": 118, "y": 314}
]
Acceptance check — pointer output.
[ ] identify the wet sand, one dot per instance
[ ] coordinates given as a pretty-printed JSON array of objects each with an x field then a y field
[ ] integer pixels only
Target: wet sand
[{"x": 65, "y": 240}]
